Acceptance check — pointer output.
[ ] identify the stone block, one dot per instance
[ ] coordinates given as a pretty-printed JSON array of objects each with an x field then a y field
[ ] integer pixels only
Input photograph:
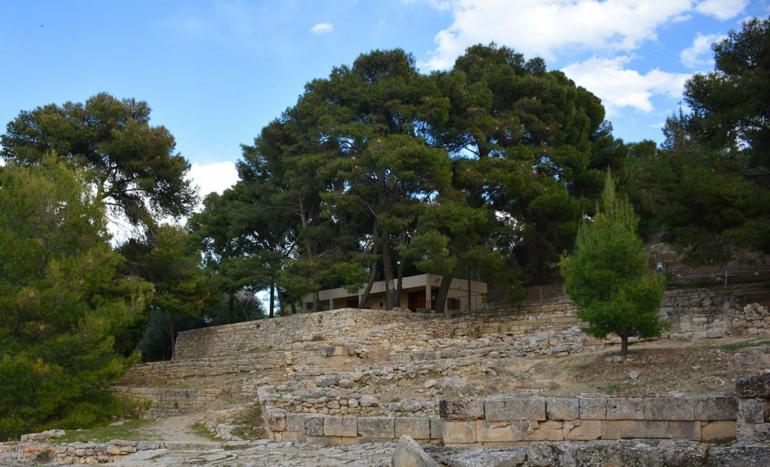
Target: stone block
[
  {"x": 562, "y": 408},
  {"x": 276, "y": 420},
  {"x": 669, "y": 408},
  {"x": 436, "y": 428},
  {"x": 593, "y": 408},
  {"x": 659, "y": 429},
  {"x": 340, "y": 426},
  {"x": 756, "y": 386},
  {"x": 463, "y": 409},
  {"x": 414, "y": 427},
  {"x": 295, "y": 422},
  {"x": 341, "y": 440},
  {"x": 500, "y": 432},
  {"x": 455, "y": 432},
  {"x": 516, "y": 408},
  {"x": 611, "y": 429},
  {"x": 753, "y": 410},
  {"x": 376, "y": 427},
  {"x": 716, "y": 408},
  {"x": 583, "y": 430},
  {"x": 409, "y": 454},
  {"x": 551, "y": 430},
  {"x": 314, "y": 425},
  {"x": 619, "y": 408},
  {"x": 720, "y": 430}
]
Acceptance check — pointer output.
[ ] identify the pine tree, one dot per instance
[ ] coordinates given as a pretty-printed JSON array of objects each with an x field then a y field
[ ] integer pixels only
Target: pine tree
[{"x": 608, "y": 276}]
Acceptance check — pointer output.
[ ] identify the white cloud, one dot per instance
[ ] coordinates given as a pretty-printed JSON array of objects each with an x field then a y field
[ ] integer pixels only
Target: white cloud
[
  {"x": 618, "y": 86},
  {"x": 322, "y": 28},
  {"x": 543, "y": 27},
  {"x": 214, "y": 177},
  {"x": 208, "y": 178},
  {"x": 721, "y": 9},
  {"x": 699, "y": 53}
]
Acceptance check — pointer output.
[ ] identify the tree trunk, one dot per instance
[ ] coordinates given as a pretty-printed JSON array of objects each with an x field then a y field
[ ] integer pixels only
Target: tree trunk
[
  {"x": 280, "y": 302},
  {"x": 387, "y": 269},
  {"x": 231, "y": 307},
  {"x": 443, "y": 292},
  {"x": 469, "y": 291},
  {"x": 172, "y": 332},
  {"x": 400, "y": 282},
  {"x": 293, "y": 308},
  {"x": 624, "y": 345},
  {"x": 316, "y": 301},
  {"x": 272, "y": 299},
  {"x": 372, "y": 276}
]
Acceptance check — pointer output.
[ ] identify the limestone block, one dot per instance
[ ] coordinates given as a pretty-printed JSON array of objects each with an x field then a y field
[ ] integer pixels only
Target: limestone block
[
  {"x": 500, "y": 432},
  {"x": 515, "y": 408},
  {"x": 276, "y": 420},
  {"x": 551, "y": 430},
  {"x": 716, "y": 408},
  {"x": 756, "y": 386},
  {"x": 341, "y": 440},
  {"x": 562, "y": 408},
  {"x": 659, "y": 429},
  {"x": 583, "y": 430},
  {"x": 436, "y": 427},
  {"x": 415, "y": 427},
  {"x": 463, "y": 409},
  {"x": 720, "y": 430},
  {"x": 669, "y": 408},
  {"x": 454, "y": 432},
  {"x": 376, "y": 427},
  {"x": 295, "y": 422},
  {"x": 340, "y": 426},
  {"x": 409, "y": 454},
  {"x": 314, "y": 425},
  {"x": 631, "y": 408},
  {"x": 752, "y": 410},
  {"x": 593, "y": 408}
]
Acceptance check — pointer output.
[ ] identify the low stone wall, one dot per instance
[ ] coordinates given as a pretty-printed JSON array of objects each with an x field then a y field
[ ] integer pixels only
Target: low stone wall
[
  {"x": 172, "y": 401},
  {"x": 506, "y": 421},
  {"x": 693, "y": 313},
  {"x": 36, "y": 453}
]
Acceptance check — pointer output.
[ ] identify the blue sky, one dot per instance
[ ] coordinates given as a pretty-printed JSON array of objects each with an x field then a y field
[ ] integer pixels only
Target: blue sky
[{"x": 216, "y": 71}]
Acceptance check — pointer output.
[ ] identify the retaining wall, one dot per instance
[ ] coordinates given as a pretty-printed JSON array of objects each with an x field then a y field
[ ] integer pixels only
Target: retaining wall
[
  {"x": 693, "y": 313},
  {"x": 500, "y": 422}
]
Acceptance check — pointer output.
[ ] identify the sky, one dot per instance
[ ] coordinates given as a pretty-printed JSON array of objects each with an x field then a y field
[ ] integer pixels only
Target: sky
[{"x": 216, "y": 71}]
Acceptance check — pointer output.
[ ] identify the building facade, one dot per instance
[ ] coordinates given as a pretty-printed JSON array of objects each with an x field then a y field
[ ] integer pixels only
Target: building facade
[{"x": 418, "y": 293}]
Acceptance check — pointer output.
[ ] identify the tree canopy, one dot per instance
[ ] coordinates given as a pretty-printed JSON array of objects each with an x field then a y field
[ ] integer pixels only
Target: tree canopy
[
  {"x": 63, "y": 300},
  {"x": 608, "y": 275},
  {"x": 132, "y": 164}
]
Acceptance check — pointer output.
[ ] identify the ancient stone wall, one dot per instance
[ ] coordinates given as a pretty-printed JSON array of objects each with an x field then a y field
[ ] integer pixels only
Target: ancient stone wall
[
  {"x": 504, "y": 421},
  {"x": 693, "y": 313}
]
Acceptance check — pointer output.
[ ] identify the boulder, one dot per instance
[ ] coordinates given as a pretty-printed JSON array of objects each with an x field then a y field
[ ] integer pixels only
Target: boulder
[{"x": 409, "y": 454}]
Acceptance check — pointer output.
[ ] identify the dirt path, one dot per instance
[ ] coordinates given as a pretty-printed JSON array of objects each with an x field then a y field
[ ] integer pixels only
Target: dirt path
[{"x": 176, "y": 428}]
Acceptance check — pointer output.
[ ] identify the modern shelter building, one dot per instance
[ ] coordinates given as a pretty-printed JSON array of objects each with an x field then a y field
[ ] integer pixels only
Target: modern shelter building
[{"x": 416, "y": 291}]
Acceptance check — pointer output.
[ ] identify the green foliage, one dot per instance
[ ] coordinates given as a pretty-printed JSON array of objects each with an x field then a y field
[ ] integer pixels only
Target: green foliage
[
  {"x": 730, "y": 105},
  {"x": 62, "y": 301},
  {"x": 131, "y": 164},
  {"x": 706, "y": 190},
  {"x": 698, "y": 200},
  {"x": 608, "y": 275},
  {"x": 170, "y": 261}
]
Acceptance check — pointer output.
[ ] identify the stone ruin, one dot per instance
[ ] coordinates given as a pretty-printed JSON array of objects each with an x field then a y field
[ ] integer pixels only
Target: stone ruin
[{"x": 351, "y": 377}]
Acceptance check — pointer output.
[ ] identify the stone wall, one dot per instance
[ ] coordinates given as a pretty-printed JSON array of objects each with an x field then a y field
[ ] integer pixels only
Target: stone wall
[
  {"x": 693, "y": 313},
  {"x": 504, "y": 421},
  {"x": 173, "y": 401},
  {"x": 32, "y": 452}
]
